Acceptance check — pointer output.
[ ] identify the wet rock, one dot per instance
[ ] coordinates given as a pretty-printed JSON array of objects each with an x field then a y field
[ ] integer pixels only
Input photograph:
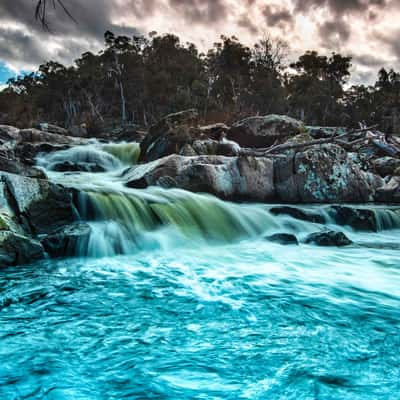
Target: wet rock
[
  {"x": 298, "y": 214},
  {"x": 328, "y": 238},
  {"x": 67, "y": 240},
  {"x": 322, "y": 174},
  {"x": 234, "y": 178},
  {"x": 16, "y": 249},
  {"x": 283, "y": 238},
  {"x": 385, "y": 166},
  {"x": 357, "y": 218},
  {"x": 68, "y": 166},
  {"x": 40, "y": 205},
  {"x": 264, "y": 131}
]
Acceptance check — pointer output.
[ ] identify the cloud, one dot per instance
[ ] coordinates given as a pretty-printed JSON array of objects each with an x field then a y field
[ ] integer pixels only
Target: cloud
[
  {"x": 200, "y": 11},
  {"x": 277, "y": 15},
  {"x": 360, "y": 27}
]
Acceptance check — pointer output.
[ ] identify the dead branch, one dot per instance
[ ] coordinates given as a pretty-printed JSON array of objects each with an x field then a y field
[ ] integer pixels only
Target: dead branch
[{"x": 295, "y": 146}]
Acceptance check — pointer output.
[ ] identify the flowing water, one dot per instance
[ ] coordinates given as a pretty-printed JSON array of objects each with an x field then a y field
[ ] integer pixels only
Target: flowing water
[{"x": 179, "y": 296}]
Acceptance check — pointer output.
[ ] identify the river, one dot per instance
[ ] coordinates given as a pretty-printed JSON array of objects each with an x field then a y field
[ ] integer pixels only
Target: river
[{"x": 179, "y": 296}]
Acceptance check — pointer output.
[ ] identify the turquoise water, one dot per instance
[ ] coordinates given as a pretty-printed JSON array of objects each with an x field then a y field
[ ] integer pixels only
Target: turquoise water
[
  {"x": 253, "y": 320},
  {"x": 179, "y": 296}
]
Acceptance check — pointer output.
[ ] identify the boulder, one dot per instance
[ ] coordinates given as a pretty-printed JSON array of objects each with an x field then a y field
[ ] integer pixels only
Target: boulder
[
  {"x": 264, "y": 131},
  {"x": 233, "y": 178},
  {"x": 16, "y": 249},
  {"x": 298, "y": 214},
  {"x": 168, "y": 136},
  {"x": 389, "y": 192},
  {"x": 67, "y": 240},
  {"x": 385, "y": 166},
  {"x": 40, "y": 205},
  {"x": 360, "y": 219},
  {"x": 328, "y": 238},
  {"x": 283, "y": 238},
  {"x": 322, "y": 174}
]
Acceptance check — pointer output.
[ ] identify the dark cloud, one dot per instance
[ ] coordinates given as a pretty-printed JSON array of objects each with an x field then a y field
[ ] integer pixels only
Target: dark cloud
[
  {"x": 277, "y": 16},
  {"x": 28, "y": 43},
  {"x": 368, "y": 60},
  {"x": 201, "y": 11},
  {"x": 333, "y": 32},
  {"x": 245, "y": 22}
]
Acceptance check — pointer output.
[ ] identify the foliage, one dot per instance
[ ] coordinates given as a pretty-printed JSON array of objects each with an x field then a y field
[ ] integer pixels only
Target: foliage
[{"x": 137, "y": 80}]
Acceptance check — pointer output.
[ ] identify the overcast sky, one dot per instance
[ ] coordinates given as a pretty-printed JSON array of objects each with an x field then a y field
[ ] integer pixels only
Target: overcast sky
[{"x": 366, "y": 29}]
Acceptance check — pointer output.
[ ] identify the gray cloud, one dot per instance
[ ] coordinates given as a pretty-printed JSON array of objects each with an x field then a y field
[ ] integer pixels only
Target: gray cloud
[
  {"x": 201, "y": 11},
  {"x": 277, "y": 16}
]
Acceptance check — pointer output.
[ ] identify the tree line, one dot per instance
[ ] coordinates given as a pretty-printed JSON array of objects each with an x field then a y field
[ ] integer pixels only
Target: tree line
[{"x": 136, "y": 80}]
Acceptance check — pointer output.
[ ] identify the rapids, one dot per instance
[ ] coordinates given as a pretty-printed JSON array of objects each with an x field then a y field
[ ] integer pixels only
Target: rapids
[{"x": 179, "y": 296}]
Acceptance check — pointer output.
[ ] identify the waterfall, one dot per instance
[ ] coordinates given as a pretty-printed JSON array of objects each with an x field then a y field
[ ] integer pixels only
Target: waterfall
[
  {"x": 91, "y": 158},
  {"x": 124, "y": 220},
  {"x": 127, "y": 153}
]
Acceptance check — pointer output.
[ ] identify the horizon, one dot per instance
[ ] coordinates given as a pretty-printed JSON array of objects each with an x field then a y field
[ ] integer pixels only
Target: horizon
[{"x": 358, "y": 28}]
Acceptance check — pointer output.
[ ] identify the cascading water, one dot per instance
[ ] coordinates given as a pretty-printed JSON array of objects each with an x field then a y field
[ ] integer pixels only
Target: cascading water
[{"x": 183, "y": 297}]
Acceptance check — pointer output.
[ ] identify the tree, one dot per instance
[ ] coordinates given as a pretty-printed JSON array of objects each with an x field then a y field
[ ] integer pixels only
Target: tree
[{"x": 316, "y": 88}]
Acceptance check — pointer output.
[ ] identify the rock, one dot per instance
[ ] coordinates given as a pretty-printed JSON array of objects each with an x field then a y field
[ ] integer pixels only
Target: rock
[
  {"x": 283, "y": 238},
  {"x": 46, "y": 127},
  {"x": 40, "y": 205},
  {"x": 14, "y": 166},
  {"x": 8, "y": 133},
  {"x": 389, "y": 192},
  {"x": 264, "y": 131},
  {"x": 213, "y": 131},
  {"x": 298, "y": 214},
  {"x": 328, "y": 238},
  {"x": 67, "y": 240},
  {"x": 68, "y": 166},
  {"x": 357, "y": 218},
  {"x": 233, "y": 178},
  {"x": 216, "y": 147},
  {"x": 17, "y": 249},
  {"x": 385, "y": 166},
  {"x": 322, "y": 174},
  {"x": 168, "y": 136}
]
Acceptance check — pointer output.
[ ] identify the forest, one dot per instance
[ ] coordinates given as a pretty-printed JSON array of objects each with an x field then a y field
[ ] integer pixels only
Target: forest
[{"x": 134, "y": 81}]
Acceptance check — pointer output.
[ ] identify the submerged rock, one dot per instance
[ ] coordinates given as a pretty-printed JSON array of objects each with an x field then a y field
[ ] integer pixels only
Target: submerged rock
[
  {"x": 357, "y": 218},
  {"x": 283, "y": 238},
  {"x": 233, "y": 178},
  {"x": 264, "y": 131},
  {"x": 328, "y": 238},
  {"x": 298, "y": 214}
]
